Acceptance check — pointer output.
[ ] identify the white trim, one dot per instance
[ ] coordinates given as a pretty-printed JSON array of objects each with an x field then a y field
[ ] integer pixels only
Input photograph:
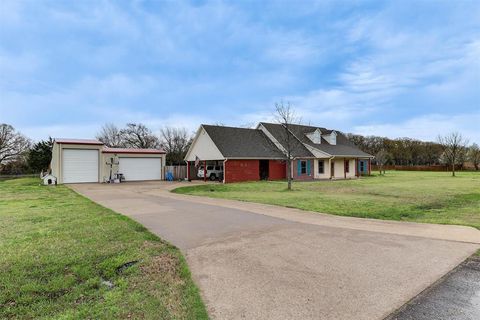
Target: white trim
[
  {"x": 197, "y": 135},
  {"x": 316, "y": 152},
  {"x": 272, "y": 138},
  {"x": 353, "y": 156}
]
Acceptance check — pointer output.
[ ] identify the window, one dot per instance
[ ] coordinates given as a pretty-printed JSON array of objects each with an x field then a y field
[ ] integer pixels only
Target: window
[
  {"x": 347, "y": 166},
  {"x": 321, "y": 166},
  {"x": 303, "y": 167}
]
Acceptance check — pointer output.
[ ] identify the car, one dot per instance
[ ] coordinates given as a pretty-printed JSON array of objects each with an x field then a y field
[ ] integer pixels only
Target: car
[{"x": 213, "y": 172}]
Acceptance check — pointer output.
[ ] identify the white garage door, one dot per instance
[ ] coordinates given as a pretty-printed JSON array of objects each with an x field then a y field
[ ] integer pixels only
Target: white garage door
[
  {"x": 135, "y": 169},
  {"x": 80, "y": 165}
]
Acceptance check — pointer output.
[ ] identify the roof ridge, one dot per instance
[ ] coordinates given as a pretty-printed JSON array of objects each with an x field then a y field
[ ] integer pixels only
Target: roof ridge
[
  {"x": 301, "y": 125},
  {"x": 230, "y": 127}
]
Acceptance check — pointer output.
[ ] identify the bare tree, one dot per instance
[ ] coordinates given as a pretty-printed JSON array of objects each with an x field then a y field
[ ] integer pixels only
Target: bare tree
[
  {"x": 13, "y": 144},
  {"x": 285, "y": 115},
  {"x": 176, "y": 142},
  {"x": 454, "y": 146},
  {"x": 382, "y": 158},
  {"x": 137, "y": 135},
  {"x": 110, "y": 135},
  {"x": 474, "y": 155}
]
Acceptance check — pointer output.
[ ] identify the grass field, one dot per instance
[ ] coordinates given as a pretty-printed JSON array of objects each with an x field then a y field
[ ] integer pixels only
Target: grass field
[
  {"x": 58, "y": 249},
  {"x": 433, "y": 197}
]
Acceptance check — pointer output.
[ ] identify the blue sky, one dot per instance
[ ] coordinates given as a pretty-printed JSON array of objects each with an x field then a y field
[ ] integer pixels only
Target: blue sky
[{"x": 391, "y": 68}]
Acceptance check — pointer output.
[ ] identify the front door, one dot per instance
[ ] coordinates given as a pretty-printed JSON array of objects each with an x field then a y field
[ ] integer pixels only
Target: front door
[
  {"x": 332, "y": 169},
  {"x": 263, "y": 169}
]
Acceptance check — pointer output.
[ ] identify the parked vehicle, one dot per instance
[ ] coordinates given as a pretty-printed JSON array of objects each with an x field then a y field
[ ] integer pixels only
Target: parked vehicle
[{"x": 213, "y": 172}]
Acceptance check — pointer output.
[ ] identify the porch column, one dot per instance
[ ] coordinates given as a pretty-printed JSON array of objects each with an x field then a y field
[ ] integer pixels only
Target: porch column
[
  {"x": 356, "y": 167},
  {"x": 204, "y": 170},
  {"x": 345, "y": 168},
  {"x": 188, "y": 170},
  {"x": 330, "y": 167},
  {"x": 369, "y": 166}
]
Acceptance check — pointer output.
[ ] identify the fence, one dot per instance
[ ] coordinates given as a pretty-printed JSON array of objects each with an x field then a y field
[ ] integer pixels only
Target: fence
[
  {"x": 416, "y": 168},
  {"x": 179, "y": 172},
  {"x": 15, "y": 176}
]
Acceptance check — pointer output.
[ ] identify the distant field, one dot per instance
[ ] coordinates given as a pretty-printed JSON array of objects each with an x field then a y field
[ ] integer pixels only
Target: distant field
[
  {"x": 60, "y": 253},
  {"x": 433, "y": 197}
]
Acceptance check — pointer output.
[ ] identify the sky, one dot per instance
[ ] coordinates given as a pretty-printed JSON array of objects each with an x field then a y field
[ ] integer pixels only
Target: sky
[{"x": 388, "y": 68}]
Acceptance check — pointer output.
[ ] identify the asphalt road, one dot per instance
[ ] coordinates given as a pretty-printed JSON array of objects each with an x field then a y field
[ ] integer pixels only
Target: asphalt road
[
  {"x": 454, "y": 297},
  {"x": 263, "y": 262}
]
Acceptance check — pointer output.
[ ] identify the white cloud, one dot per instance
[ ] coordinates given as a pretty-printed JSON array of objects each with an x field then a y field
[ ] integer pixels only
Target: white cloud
[
  {"x": 83, "y": 64},
  {"x": 427, "y": 127}
]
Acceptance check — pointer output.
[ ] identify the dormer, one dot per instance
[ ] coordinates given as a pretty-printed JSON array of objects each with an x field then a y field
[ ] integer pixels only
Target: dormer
[
  {"x": 331, "y": 137},
  {"x": 315, "y": 136}
]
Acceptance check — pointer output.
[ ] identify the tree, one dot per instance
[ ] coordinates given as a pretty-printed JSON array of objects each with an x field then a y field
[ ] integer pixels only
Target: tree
[
  {"x": 382, "y": 158},
  {"x": 137, "y": 135},
  {"x": 474, "y": 155},
  {"x": 402, "y": 151},
  {"x": 40, "y": 155},
  {"x": 15, "y": 166},
  {"x": 111, "y": 136},
  {"x": 285, "y": 115},
  {"x": 454, "y": 146},
  {"x": 13, "y": 144},
  {"x": 176, "y": 142}
]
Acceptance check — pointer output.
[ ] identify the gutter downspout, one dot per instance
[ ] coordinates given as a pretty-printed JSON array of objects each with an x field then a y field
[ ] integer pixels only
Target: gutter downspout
[{"x": 224, "y": 169}]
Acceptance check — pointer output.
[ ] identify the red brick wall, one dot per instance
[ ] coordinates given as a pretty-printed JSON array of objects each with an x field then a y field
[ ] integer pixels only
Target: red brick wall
[
  {"x": 242, "y": 170},
  {"x": 303, "y": 176},
  {"x": 277, "y": 170}
]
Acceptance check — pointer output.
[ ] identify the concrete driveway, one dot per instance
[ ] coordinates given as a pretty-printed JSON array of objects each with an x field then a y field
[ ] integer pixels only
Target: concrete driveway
[{"x": 254, "y": 261}]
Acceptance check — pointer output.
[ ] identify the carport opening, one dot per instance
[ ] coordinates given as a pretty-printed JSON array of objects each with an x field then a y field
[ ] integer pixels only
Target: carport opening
[
  {"x": 263, "y": 169},
  {"x": 214, "y": 170}
]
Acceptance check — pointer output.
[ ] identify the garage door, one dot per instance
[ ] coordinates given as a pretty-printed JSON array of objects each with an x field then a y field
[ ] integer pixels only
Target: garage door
[
  {"x": 80, "y": 165},
  {"x": 135, "y": 169}
]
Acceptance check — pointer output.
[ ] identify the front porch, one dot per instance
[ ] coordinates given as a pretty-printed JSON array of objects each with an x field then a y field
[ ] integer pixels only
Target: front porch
[{"x": 330, "y": 168}]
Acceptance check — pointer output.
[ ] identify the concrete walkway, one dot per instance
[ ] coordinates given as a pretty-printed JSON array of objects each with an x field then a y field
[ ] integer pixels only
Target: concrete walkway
[{"x": 255, "y": 261}]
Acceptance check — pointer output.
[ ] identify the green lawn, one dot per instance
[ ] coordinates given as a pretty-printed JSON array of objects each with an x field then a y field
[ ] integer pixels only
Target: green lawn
[
  {"x": 56, "y": 248},
  {"x": 433, "y": 197}
]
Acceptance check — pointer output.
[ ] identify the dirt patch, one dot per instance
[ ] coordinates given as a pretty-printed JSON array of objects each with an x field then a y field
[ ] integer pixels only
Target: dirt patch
[{"x": 164, "y": 263}]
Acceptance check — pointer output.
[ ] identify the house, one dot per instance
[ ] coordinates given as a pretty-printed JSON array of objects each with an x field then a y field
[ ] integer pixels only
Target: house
[
  {"x": 255, "y": 154},
  {"x": 85, "y": 160}
]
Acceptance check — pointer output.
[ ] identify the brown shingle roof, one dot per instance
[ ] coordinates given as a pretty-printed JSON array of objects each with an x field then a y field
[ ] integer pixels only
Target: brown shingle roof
[
  {"x": 235, "y": 142},
  {"x": 343, "y": 147}
]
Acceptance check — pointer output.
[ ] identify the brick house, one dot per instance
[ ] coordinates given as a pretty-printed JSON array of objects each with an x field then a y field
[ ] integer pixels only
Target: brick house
[{"x": 259, "y": 154}]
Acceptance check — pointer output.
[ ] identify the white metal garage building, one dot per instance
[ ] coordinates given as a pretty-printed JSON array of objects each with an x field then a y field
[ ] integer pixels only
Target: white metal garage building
[{"x": 83, "y": 160}]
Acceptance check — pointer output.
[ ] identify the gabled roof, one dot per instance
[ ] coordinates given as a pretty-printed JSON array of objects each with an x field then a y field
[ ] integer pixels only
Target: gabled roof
[
  {"x": 343, "y": 147},
  {"x": 133, "y": 151},
  {"x": 78, "y": 141},
  {"x": 279, "y": 133},
  {"x": 235, "y": 142}
]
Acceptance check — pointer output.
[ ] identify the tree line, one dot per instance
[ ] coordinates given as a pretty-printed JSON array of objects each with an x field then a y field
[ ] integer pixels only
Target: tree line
[
  {"x": 174, "y": 140},
  {"x": 20, "y": 155},
  {"x": 450, "y": 149}
]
